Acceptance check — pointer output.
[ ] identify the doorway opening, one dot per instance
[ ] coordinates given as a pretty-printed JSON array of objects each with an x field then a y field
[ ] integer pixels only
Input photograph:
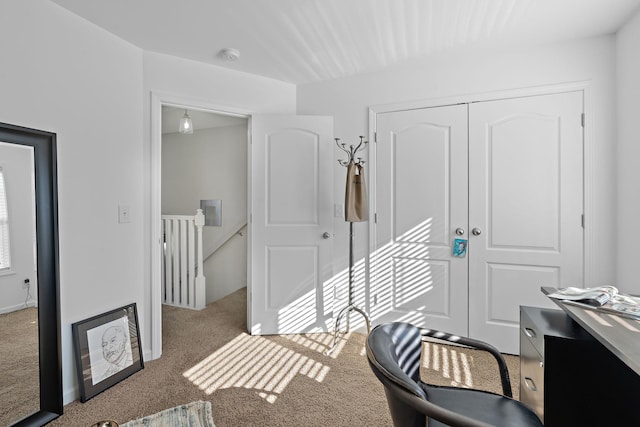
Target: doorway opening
[{"x": 208, "y": 164}]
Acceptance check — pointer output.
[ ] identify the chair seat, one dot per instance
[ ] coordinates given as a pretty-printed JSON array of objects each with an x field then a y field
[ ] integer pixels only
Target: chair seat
[{"x": 484, "y": 406}]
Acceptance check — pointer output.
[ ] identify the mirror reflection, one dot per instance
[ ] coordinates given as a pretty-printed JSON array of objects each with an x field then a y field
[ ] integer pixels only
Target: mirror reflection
[{"x": 19, "y": 367}]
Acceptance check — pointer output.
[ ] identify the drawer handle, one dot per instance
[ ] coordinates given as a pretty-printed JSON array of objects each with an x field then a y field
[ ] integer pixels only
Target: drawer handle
[
  {"x": 530, "y": 332},
  {"x": 530, "y": 384}
]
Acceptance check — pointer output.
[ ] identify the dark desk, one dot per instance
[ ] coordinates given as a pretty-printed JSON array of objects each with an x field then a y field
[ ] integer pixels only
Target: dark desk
[
  {"x": 619, "y": 334},
  {"x": 580, "y": 367}
]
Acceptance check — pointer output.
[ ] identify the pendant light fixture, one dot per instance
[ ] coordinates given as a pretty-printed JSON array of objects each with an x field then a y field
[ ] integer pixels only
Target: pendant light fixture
[{"x": 186, "y": 126}]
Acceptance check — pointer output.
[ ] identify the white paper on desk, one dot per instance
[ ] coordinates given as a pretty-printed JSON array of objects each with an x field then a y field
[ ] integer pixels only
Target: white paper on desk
[{"x": 592, "y": 296}]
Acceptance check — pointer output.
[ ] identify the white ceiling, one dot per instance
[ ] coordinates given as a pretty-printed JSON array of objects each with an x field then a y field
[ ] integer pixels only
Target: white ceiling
[
  {"x": 201, "y": 119},
  {"x": 301, "y": 41}
]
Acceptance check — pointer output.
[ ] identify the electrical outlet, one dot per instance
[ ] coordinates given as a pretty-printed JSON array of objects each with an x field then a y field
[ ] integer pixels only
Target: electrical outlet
[{"x": 26, "y": 284}]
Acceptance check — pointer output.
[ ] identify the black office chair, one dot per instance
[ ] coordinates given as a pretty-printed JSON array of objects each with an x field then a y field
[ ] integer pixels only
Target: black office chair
[{"x": 394, "y": 351}]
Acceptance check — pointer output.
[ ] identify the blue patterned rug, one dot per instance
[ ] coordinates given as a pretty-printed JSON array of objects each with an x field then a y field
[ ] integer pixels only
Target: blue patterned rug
[{"x": 194, "y": 414}]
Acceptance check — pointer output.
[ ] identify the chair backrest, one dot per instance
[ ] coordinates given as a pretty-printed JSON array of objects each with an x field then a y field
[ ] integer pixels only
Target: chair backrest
[{"x": 393, "y": 352}]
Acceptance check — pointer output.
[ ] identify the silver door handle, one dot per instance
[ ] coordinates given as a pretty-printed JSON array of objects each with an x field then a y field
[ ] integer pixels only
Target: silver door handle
[
  {"x": 326, "y": 235},
  {"x": 460, "y": 231},
  {"x": 476, "y": 231}
]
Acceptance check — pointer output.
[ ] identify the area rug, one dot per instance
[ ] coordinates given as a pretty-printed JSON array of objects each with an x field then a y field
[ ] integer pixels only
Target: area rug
[{"x": 194, "y": 414}]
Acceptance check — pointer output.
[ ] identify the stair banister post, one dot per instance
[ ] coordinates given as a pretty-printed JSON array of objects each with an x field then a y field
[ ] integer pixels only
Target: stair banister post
[{"x": 200, "y": 279}]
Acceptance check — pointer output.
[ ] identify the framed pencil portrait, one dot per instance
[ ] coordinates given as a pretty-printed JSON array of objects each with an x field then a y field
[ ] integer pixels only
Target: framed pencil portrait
[{"x": 107, "y": 349}]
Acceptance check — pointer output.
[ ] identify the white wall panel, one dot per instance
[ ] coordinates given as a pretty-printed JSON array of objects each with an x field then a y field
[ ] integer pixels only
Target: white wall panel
[
  {"x": 417, "y": 290},
  {"x": 628, "y": 93},
  {"x": 524, "y": 187},
  {"x": 292, "y": 164},
  {"x": 292, "y": 273},
  {"x": 421, "y": 192},
  {"x": 62, "y": 74},
  {"x": 515, "y": 282}
]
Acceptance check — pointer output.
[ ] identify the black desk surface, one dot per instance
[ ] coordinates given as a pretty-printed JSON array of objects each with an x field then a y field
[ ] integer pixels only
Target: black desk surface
[{"x": 619, "y": 334}]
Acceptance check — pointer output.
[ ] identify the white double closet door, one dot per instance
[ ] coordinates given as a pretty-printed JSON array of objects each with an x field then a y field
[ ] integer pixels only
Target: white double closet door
[{"x": 504, "y": 175}]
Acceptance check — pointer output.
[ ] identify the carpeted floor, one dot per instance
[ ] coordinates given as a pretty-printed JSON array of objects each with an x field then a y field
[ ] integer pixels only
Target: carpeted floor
[
  {"x": 19, "y": 372},
  {"x": 265, "y": 381}
]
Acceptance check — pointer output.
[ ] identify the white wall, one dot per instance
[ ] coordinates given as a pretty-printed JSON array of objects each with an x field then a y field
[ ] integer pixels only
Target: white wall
[
  {"x": 62, "y": 74},
  {"x": 226, "y": 270},
  {"x": 17, "y": 168},
  {"x": 211, "y": 164},
  {"x": 482, "y": 71},
  {"x": 628, "y": 91}
]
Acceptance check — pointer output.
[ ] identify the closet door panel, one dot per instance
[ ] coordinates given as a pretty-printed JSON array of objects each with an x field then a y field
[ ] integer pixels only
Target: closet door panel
[
  {"x": 524, "y": 182},
  {"x": 421, "y": 198},
  {"x": 526, "y": 203}
]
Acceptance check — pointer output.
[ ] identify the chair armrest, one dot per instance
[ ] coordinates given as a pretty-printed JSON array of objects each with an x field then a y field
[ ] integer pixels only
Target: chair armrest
[
  {"x": 436, "y": 412},
  {"x": 480, "y": 345}
]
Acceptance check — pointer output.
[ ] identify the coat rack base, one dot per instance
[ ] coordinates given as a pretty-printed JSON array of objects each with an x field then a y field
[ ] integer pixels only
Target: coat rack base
[{"x": 336, "y": 330}]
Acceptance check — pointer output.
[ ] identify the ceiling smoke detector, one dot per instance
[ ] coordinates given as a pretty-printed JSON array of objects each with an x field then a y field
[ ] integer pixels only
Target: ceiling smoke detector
[{"x": 229, "y": 54}]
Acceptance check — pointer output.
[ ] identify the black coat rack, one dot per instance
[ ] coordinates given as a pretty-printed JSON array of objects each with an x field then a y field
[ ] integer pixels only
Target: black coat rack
[{"x": 351, "y": 159}]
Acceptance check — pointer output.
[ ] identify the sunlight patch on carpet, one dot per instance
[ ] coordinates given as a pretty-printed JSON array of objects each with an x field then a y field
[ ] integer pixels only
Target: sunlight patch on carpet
[
  {"x": 320, "y": 342},
  {"x": 254, "y": 363},
  {"x": 451, "y": 364}
]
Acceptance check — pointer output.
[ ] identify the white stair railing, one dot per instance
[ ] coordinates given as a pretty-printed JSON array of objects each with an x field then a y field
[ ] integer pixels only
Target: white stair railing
[{"x": 184, "y": 284}]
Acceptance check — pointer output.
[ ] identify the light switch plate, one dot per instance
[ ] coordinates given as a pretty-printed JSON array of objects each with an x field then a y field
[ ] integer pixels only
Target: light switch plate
[
  {"x": 338, "y": 210},
  {"x": 124, "y": 214}
]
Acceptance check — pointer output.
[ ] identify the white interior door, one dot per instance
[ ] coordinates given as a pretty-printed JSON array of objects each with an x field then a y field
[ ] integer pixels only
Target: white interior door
[
  {"x": 420, "y": 201},
  {"x": 291, "y": 208},
  {"x": 526, "y": 203}
]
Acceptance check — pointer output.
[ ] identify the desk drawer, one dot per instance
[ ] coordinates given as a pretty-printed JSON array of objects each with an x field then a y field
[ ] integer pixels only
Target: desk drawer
[
  {"x": 531, "y": 377},
  {"x": 530, "y": 332},
  {"x": 535, "y": 323}
]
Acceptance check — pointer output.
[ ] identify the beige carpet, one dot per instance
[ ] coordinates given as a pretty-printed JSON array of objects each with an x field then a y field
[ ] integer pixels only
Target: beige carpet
[
  {"x": 19, "y": 378},
  {"x": 265, "y": 381}
]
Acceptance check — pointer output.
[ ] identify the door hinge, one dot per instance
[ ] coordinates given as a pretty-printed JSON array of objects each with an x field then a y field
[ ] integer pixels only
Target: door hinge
[
  {"x": 582, "y": 220},
  {"x": 375, "y": 137},
  {"x": 375, "y": 218},
  {"x": 582, "y": 119}
]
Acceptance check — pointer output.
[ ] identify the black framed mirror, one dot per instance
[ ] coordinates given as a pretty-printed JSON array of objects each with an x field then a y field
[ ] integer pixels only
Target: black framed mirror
[{"x": 43, "y": 146}]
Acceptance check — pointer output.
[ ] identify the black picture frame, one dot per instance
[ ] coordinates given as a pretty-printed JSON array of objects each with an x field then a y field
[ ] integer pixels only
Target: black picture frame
[{"x": 107, "y": 349}]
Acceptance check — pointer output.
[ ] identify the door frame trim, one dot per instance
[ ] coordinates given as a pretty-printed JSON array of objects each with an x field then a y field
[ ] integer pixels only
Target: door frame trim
[
  {"x": 158, "y": 99},
  {"x": 588, "y": 141}
]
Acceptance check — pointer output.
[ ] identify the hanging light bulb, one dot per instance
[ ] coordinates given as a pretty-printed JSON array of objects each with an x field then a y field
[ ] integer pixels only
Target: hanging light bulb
[{"x": 186, "y": 126}]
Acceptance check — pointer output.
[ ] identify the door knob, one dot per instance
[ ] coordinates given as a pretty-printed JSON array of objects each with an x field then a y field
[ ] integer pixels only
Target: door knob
[
  {"x": 460, "y": 231},
  {"x": 476, "y": 231},
  {"x": 326, "y": 235}
]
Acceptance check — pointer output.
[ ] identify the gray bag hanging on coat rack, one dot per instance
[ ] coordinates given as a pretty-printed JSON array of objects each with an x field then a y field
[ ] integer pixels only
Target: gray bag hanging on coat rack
[{"x": 355, "y": 201}]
